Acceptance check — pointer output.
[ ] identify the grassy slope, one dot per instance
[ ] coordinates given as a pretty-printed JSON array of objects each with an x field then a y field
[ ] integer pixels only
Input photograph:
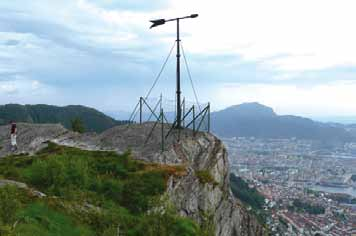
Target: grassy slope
[{"x": 88, "y": 193}]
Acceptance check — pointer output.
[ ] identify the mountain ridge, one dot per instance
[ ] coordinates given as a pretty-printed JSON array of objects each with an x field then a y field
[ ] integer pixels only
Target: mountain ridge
[
  {"x": 257, "y": 120},
  {"x": 93, "y": 120},
  {"x": 251, "y": 108},
  {"x": 247, "y": 120}
]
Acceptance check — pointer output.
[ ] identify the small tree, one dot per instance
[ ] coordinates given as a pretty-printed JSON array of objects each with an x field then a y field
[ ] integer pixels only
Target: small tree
[{"x": 77, "y": 125}]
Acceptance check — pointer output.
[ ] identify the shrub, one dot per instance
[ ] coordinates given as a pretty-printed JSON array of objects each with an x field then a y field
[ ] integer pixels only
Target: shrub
[
  {"x": 207, "y": 224},
  {"x": 9, "y": 204},
  {"x": 76, "y": 171},
  {"x": 117, "y": 166},
  {"x": 164, "y": 220},
  {"x": 46, "y": 174},
  {"x": 205, "y": 177},
  {"x": 11, "y": 171},
  {"x": 184, "y": 226},
  {"x": 58, "y": 172},
  {"x": 140, "y": 188},
  {"x": 111, "y": 189}
]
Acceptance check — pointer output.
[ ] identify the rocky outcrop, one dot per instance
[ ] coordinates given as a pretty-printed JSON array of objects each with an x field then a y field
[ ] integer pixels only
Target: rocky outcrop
[
  {"x": 201, "y": 199},
  {"x": 203, "y": 193},
  {"x": 31, "y": 191},
  {"x": 30, "y": 137}
]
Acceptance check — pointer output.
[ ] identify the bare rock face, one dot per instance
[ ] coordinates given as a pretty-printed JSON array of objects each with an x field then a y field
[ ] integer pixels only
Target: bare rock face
[
  {"x": 202, "y": 194},
  {"x": 30, "y": 137},
  {"x": 201, "y": 199}
]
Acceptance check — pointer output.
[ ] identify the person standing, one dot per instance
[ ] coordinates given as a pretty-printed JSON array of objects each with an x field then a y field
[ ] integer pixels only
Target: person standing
[{"x": 13, "y": 136}]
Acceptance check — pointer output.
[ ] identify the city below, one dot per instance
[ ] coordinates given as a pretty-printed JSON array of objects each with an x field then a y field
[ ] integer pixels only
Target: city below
[{"x": 309, "y": 187}]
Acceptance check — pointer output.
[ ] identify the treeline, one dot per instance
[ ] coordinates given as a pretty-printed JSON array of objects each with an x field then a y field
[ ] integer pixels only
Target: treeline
[
  {"x": 299, "y": 205},
  {"x": 92, "y": 120},
  {"x": 247, "y": 195}
]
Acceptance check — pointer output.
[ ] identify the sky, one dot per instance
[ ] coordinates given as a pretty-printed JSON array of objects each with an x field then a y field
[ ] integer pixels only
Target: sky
[{"x": 298, "y": 57}]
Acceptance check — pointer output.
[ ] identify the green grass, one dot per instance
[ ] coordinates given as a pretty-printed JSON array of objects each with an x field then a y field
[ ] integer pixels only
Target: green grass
[
  {"x": 90, "y": 193},
  {"x": 38, "y": 219}
]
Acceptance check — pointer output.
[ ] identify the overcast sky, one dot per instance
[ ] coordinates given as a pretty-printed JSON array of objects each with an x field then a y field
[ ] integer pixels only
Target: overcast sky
[{"x": 297, "y": 56}]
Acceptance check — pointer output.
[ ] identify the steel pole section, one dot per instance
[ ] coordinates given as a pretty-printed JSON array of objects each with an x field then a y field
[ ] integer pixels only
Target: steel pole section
[
  {"x": 178, "y": 91},
  {"x": 141, "y": 110}
]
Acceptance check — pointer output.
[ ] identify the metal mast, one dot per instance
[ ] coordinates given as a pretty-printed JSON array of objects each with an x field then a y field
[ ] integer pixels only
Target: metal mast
[{"x": 178, "y": 89}]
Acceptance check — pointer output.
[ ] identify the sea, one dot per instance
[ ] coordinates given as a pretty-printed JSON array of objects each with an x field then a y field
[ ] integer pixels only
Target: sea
[{"x": 349, "y": 190}]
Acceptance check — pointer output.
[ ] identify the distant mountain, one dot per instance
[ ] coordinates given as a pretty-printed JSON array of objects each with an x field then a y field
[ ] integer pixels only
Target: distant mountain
[
  {"x": 257, "y": 120},
  {"x": 345, "y": 120},
  {"x": 351, "y": 129},
  {"x": 94, "y": 121}
]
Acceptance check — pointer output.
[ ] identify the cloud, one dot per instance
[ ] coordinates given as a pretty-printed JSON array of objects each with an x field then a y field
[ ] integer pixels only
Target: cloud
[
  {"x": 312, "y": 35},
  {"x": 137, "y": 5},
  {"x": 19, "y": 87},
  {"x": 281, "y": 35},
  {"x": 11, "y": 42},
  {"x": 8, "y": 88},
  {"x": 65, "y": 50}
]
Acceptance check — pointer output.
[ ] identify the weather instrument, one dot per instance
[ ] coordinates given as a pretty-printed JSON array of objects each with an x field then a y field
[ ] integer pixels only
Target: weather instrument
[
  {"x": 183, "y": 118},
  {"x": 178, "y": 90}
]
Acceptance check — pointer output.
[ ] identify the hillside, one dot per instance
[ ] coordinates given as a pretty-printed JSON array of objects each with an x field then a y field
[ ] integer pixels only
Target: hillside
[
  {"x": 86, "y": 193},
  {"x": 256, "y": 120},
  {"x": 94, "y": 121},
  {"x": 88, "y": 184}
]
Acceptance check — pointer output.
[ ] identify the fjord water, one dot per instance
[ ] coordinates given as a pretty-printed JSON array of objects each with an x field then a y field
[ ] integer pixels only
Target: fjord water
[{"x": 349, "y": 190}]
